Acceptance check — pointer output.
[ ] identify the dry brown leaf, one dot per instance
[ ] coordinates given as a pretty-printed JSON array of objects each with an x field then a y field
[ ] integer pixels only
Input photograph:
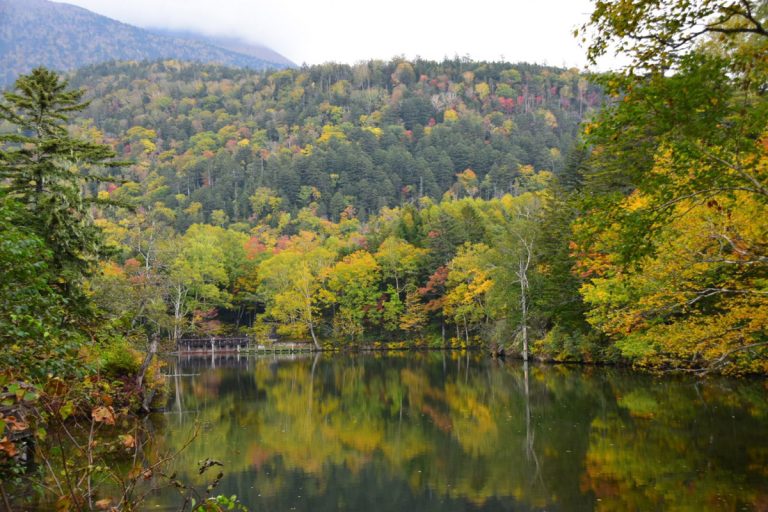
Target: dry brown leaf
[
  {"x": 56, "y": 387},
  {"x": 103, "y": 414},
  {"x": 128, "y": 441},
  {"x": 104, "y": 504},
  {"x": 8, "y": 447}
]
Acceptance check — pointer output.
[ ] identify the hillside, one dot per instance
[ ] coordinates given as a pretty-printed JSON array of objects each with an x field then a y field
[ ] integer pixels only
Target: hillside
[
  {"x": 64, "y": 37},
  {"x": 367, "y": 136},
  {"x": 231, "y": 43}
]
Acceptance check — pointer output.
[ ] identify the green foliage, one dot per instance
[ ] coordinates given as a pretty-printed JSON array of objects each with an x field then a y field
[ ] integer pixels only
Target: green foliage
[
  {"x": 120, "y": 359},
  {"x": 44, "y": 169},
  {"x": 353, "y": 285},
  {"x": 49, "y": 243},
  {"x": 671, "y": 244},
  {"x": 562, "y": 345},
  {"x": 219, "y": 503},
  {"x": 656, "y": 34},
  {"x": 341, "y": 142}
]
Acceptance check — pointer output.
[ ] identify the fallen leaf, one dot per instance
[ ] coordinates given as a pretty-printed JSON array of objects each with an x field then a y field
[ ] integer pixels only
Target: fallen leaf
[
  {"x": 56, "y": 387},
  {"x": 104, "y": 504},
  {"x": 8, "y": 447},
  {"x": 103, "y": 414},
  {"x": 128, "y": 441}
]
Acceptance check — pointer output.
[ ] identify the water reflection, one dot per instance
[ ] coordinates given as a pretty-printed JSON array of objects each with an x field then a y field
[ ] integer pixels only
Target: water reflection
[{"x": 451, "y": 431}]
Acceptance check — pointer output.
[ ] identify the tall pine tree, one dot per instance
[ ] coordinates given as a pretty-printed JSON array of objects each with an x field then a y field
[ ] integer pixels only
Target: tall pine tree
[{"x": 45, "y": 169}]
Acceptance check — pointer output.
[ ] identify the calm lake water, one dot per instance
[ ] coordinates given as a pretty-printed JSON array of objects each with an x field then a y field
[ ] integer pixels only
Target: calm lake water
[{"x": 450, "y": 431}]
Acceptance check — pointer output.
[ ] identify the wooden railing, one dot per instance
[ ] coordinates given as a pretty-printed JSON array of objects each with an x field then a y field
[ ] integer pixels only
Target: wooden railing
[{"x": 215, "y": 344}]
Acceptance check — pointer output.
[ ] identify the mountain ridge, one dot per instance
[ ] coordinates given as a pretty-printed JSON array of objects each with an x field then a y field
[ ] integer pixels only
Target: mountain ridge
[
  {"x": 64, "y": 37},
  {"x": 234, "y": 44}
]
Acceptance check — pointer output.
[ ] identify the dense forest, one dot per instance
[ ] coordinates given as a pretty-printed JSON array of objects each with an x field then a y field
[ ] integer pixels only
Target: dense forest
[
  {"x": 424, "y": 203},
  {"x": 535, "y": 211},
  {"x": 373, "y": 135},
  {"x": 352, "y": 204},
  {"x": 457, "y": 196}
]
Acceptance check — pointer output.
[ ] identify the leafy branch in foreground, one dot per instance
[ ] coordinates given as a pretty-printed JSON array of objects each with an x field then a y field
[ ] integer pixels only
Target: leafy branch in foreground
[{"x": 673, "y": 245}]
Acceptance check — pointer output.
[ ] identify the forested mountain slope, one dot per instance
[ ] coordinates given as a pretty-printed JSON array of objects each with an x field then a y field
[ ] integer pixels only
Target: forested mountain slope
[
  {"x": 234, "y": 44},
  {"x": 365, "y": 136},
  {"x": 63, "y": 37}
]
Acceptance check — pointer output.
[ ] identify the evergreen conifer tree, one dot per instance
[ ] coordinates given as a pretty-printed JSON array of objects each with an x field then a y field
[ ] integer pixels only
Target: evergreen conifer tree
[{"x": 45, "y": 169}]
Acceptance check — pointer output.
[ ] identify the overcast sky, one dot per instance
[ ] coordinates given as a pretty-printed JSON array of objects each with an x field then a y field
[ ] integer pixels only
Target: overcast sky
[{"x": 316, "y": 31}]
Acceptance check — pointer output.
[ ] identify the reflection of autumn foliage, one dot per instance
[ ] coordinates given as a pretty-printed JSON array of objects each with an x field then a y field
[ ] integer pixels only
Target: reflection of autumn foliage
[
  {"x": 208, "y": 386},
  {"x": 441, "y": 421},
  {"x": 474, "y": 425},
  {"x": 456, "y": 426},
  {"x": 651, "y": 460}
]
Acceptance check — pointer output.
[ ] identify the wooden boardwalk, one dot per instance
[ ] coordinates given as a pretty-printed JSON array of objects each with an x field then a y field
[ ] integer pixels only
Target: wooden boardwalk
[
  {"x": 222, "y": 344},
  {"x": 213, "y": 344}
]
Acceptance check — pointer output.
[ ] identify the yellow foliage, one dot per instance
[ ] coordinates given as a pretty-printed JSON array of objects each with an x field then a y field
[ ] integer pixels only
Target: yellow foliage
[
  {"x": 700, "y": 297},
  {"x": 378, "y": 132},
  {"x": 330, "y": 132},
  {"x": 482, "y": 90},
  {"x": 549, "y": 118}
]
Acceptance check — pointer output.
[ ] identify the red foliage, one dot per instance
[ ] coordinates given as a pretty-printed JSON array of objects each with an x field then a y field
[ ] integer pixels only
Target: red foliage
[
  {"x": 508, "y": 104},
  {"x": 282, "y": 243},
  {"x": 359, "y": 240},
  {"x": 132, "y": 265},
  {"x": 254, "y": 247},
  {"x": 348, "y": 213},
  {"x": 435, "y": 282}
]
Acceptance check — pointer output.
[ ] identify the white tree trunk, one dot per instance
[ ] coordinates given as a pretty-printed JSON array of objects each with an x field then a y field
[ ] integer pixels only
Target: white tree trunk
[{"x": 524, "y": 310}]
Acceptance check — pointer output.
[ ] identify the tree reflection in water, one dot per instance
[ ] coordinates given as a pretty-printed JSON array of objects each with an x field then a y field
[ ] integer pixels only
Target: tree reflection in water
[{"x": 453, "y": 431}]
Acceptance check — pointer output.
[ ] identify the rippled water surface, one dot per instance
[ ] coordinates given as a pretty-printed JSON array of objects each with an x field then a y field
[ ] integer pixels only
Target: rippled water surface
[{"x": 449, "y": 431}]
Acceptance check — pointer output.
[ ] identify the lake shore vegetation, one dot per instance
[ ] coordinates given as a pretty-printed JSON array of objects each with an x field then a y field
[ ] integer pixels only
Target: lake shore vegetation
[{"x": 533, "y": 211}]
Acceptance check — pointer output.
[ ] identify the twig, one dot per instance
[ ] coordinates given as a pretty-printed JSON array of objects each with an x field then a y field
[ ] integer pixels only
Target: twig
[{"x": 5, "y": 498}]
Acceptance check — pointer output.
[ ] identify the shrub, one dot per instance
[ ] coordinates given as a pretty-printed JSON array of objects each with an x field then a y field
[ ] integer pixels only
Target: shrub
[{"x": 120, "y": 360}]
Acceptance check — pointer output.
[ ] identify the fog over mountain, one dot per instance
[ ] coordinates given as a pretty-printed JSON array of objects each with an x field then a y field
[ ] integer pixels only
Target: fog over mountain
[{"x": 65, "y": 37}]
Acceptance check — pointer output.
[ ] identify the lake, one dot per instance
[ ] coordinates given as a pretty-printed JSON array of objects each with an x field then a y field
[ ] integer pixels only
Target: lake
[{"x": 450, "y": 431}]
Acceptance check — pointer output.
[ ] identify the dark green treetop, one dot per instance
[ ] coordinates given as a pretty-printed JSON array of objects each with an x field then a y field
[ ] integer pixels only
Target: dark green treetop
[{"x": 45, "y": 169}]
